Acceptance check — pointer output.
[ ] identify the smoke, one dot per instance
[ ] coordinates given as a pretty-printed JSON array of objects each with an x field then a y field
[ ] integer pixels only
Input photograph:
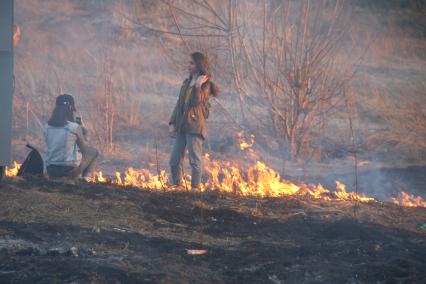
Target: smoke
[{"x": 65, "y": 46}]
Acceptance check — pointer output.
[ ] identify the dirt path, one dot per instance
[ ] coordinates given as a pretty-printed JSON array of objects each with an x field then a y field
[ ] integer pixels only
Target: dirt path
[{"x": 53, "y": 232}]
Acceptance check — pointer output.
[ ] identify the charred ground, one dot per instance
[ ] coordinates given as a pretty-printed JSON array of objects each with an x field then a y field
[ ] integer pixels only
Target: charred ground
[{"x": 53, "y": 232}]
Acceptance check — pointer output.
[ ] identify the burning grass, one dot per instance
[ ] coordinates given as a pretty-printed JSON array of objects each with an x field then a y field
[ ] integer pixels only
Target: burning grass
[
  {"x": 13, "y": 171},
  {"x": 258, "y": 181}
]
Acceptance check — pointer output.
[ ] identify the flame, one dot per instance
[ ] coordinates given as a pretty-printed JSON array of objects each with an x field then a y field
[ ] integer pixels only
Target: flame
[
  {"x": 257, "y": 180},
  {"x": 244, "y": 145},
  {"x": 100, "y": 177},
  {"x": 139, "y": 178},
  {"x": 406, "y": 199},
  {"x": 341, "y": 193},
  {"x": 11, "y": 172},
  {"x": 262, "y": 181}
]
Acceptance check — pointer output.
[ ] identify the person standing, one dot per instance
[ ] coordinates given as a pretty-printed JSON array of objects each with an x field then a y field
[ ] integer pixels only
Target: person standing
[{"x": 188, "y": 120}]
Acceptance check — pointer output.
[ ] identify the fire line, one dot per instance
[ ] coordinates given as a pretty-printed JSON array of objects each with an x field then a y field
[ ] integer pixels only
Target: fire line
[{"x": 258, "y": 180}]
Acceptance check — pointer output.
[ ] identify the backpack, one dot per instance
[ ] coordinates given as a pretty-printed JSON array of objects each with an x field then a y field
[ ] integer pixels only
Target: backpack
[{"x": 33, "y": 164}]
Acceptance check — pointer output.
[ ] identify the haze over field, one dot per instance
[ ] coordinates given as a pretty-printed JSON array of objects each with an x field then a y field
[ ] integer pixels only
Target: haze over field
[
  {"x": 313, "y": 170},
  {"x": 130, "y": 55}
]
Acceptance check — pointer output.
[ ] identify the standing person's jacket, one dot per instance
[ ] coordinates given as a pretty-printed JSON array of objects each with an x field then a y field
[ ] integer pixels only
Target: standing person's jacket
[
  {"x": 63, "y": 144},
  {"x": 193, "y": 108}
]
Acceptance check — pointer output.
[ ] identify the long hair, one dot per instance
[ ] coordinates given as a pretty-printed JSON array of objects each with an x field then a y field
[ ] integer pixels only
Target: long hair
[
  {"x": 61, "y": 115},
  {"x": 201, "y": 62}
]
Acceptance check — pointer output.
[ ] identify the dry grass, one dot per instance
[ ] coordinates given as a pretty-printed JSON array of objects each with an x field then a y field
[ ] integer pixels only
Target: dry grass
[{"x": 127, "y": 234}]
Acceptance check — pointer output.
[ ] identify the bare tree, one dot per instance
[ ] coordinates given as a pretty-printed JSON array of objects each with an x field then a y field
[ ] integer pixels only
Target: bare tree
[
  {"x": 281, "y": 55},
  {"x": 297, "y": 71},
  {"x": 103, "y": 104}
]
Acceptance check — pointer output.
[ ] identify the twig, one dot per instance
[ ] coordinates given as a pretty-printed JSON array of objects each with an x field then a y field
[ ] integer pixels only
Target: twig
[
  {"x": 157, "y": 162},
  {"x": 356, "y": 180},
  {"x": 354, "y": 151}
]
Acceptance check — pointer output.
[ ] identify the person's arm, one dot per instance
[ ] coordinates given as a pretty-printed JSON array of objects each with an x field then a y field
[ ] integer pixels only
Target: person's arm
[
  {"x": 172, "y": 120},
  {"x": 202, "y": 91},
  {"x": 85, "y": 132},
  {"x": 82, "y": 142}
]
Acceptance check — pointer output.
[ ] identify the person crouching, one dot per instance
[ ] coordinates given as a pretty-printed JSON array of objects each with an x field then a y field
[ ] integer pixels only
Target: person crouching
[{"x": 68, "y": 153}]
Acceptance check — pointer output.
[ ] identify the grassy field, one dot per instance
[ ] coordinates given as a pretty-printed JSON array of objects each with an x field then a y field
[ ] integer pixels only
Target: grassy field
[
  {"x": 56, "y": 232},
  {"x": 102, "y": 233}
]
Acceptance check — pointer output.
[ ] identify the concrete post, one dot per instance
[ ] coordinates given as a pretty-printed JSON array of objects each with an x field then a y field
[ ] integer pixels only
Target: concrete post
[{"x": 6, "y": 79}]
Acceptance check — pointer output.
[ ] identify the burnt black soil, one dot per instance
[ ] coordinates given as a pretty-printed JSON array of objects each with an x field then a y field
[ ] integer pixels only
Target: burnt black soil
[{"x": 55, "y": 232}]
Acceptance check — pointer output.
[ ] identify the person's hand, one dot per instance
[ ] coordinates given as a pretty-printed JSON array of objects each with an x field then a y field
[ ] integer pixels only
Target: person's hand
[
  {"x": 85, "y": 131},
  {"x": 201, "y": 80},
  {"x": 172, "y": 131}
]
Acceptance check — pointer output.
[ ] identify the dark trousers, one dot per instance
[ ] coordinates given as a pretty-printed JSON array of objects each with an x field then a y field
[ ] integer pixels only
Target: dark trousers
[
  {"x": 57, "y": 171},
  {"x": 194, "y": 143},
  {"x": 87, "y": 165}
]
